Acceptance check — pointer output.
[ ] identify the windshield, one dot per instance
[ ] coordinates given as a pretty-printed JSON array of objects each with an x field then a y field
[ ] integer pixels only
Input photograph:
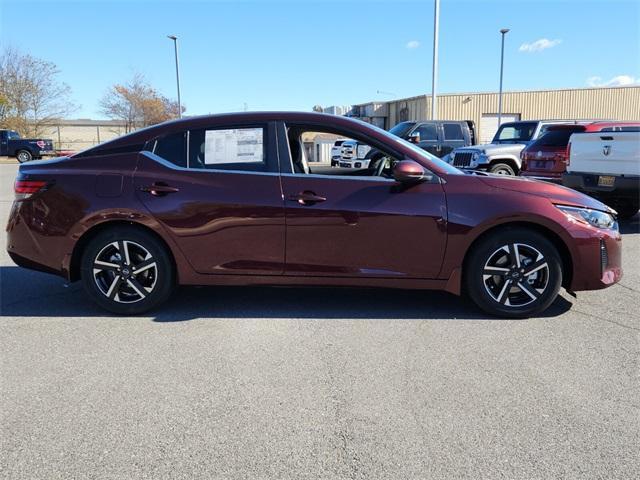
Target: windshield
[
  {"x": 401, "y": 129},
  {"x": 520, "y": 132},
  {"x": 418, "y": 151}
]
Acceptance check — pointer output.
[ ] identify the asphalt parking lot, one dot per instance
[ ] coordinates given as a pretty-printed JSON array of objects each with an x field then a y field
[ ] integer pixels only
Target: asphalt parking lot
[{"x": 316, "y": 383}]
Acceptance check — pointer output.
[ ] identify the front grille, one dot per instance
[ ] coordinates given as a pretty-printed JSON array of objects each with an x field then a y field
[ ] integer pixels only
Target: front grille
[
  {"x": 462, "y": 159},
  {"x": 604, "y": 257}
]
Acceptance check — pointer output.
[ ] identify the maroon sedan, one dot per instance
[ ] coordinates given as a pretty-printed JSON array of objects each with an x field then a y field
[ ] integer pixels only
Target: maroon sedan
[{"x": 233, "y": 200}]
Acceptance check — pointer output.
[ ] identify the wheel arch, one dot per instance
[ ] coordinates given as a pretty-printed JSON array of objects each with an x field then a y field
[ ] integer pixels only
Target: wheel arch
[
  {"x": 563, "y": 250},
  {"x": 511, "y": 161},
  {"x": 92, "y": 232}
]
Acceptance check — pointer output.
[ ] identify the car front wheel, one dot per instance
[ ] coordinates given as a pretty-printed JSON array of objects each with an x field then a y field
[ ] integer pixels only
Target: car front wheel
[
  {"x": 502, "y": 169},
  {"x": 127, "y": 271},
  {"x": 514, "y": 273}
]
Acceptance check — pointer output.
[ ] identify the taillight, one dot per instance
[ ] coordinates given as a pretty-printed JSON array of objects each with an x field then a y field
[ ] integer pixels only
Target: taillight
[
  {"x": 568, "y": 154},
  {"x": 25, "y": 188}
]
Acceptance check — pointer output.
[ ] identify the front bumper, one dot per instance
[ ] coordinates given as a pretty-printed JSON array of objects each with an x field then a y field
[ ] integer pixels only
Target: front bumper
[{"x": 597, "y": 258}]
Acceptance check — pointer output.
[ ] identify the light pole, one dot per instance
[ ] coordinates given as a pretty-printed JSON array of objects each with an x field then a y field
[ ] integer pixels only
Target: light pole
[
  {"x": 503, "y": 32},
  {"x": 434, "y": 73},
  {"x": 175, "y": 47}
]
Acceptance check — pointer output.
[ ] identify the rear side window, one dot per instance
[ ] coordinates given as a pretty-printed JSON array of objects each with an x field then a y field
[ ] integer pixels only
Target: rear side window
[
  {"x": 453, "y": 131},
  {"x": 228, "y": 149},
  {"x": 556, "y": 138},
  {"x": 172, "y": 148},
  {"x": 427, "y": 131}
]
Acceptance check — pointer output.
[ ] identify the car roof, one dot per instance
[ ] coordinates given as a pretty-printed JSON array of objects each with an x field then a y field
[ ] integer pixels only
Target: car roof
[{"x": 143, "y": 135}]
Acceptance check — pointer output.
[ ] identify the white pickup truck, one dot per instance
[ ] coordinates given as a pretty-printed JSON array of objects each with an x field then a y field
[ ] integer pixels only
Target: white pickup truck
[{"x": 606, "y": 165}]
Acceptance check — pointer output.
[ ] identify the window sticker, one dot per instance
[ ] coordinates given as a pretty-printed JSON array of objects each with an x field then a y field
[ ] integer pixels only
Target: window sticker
[{"x": 238, "y": 145}]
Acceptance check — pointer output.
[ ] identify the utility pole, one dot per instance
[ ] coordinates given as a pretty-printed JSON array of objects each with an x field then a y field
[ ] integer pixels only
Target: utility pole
[
  {"x": 175, "y": 47},
  {"x": 434, "y": 76},
  {"x": 503, "y": 32}
]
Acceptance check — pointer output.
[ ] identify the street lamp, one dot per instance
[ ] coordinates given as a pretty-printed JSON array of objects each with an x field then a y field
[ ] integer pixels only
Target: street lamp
[
  {"x": 175, "y": 46},
  {"x": 434, "y": 72},
  {"x": 503, "y": 32}
]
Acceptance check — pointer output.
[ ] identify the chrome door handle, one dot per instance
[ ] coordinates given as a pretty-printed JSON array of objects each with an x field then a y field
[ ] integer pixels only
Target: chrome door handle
[
  {"x": 307, "y": 198},
  {"x": 159, "y": 189}
]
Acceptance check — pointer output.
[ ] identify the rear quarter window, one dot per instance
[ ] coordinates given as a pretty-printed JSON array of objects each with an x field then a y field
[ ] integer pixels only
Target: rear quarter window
[{"x": 172, "y": 148}]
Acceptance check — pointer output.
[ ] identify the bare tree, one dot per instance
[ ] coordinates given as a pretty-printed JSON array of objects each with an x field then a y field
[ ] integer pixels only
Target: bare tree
[
  {"x": 31, "y": 96},
  {"x": 137, "y": 104}
]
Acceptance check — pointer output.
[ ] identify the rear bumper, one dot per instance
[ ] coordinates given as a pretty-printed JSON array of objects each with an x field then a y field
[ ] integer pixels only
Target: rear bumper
[
  {"x": 547, "y": 177},
  {"x": 30, "y": 246},
  {"x": 624, "y": 185}
]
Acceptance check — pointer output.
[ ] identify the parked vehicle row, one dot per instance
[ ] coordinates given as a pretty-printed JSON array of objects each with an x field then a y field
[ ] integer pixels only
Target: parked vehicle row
[
  {"x": 232, "y": 200},
  {"x": 24, "y": 149},
  {"x": 606, "y": 165}
]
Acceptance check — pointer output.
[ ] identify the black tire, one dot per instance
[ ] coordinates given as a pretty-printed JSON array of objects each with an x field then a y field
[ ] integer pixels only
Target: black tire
[
  {"x": 539, "y": 289},
  {"x": 627, "y": 210},
  {"x": 502, "y": 169},
  {"x": 116, "y": 286},
  {"x": 24, "y": 156}
]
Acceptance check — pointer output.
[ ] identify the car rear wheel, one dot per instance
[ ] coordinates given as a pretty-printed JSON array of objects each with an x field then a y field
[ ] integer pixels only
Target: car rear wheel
[
  {"x": 24, "y": 156},
  {"x": 514, "y": 273},
  {"x": 502, "y": 169},
  {"x": 127, "y": 271}
]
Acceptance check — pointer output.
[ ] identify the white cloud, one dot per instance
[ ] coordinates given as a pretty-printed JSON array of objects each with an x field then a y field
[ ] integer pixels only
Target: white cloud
[
  {"x": 617, "y": 81},
  {"x": 539, "y": 45},
  {"x": 413, "y": 44}
]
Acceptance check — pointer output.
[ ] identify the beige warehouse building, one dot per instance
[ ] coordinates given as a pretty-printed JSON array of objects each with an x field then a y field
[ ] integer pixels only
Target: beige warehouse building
[
  {"x": 610, "y": 103},
  {"x": 616, "y": 103}
]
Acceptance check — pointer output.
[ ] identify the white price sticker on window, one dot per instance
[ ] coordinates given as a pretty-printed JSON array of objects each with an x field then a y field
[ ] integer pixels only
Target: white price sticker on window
[{"x": 241, "y": 145}]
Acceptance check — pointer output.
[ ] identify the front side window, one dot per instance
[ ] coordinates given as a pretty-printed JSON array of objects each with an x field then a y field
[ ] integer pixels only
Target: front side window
[
  {"x": 453, "y": 131},
  {"x": 228, "y": 149},
  {"x": 427, "y": 132},
  {"x": 11, "y": 135}
]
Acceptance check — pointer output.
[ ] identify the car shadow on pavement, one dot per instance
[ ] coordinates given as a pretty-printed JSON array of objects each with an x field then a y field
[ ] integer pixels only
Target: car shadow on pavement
[{"x": 25, "y": 293}]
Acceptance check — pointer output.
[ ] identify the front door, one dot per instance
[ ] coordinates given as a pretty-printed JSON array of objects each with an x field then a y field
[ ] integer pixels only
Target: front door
[
  {"x": 360, "y": 226},
  {"x": 430, "y": 138},
  {"x": 217, "y": 192}
]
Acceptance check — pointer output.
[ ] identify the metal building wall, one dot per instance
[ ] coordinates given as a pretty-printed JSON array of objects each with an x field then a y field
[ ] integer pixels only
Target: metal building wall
[{"x": 616, "y": 103}]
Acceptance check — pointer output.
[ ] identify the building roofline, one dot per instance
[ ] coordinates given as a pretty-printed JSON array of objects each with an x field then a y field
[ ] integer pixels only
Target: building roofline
[{"x": 496, "y": 93}]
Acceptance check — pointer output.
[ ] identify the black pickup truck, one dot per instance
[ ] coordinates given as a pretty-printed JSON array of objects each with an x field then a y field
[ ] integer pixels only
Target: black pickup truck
[
  {"x": 438, "y": 137},
  {"x": 24, "y": 149}
]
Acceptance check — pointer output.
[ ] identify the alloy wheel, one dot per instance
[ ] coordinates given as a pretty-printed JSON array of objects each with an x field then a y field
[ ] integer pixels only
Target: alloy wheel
[
  {"x": 516, "y": 275},
  {"x": 125, "y": 271}
]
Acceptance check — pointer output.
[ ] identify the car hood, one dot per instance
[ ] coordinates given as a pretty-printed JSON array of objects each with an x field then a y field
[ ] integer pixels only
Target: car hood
[
  {"x": 492, "y": 148},
  {"x": 556, "y": 193}
]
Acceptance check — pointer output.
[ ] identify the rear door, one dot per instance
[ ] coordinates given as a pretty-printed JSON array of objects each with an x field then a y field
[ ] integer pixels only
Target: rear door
[
  {"x": 217, "y": 192},
  {"x": 453, "y": 136}
]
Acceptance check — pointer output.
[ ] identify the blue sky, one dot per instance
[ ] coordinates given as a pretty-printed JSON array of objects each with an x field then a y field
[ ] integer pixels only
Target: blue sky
[{"x": 293, "y": 55}]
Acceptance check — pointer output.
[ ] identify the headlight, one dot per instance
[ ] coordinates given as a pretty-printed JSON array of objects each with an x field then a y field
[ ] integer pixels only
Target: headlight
[
  {"x": 475, "y": 156},
  {"x": 595, "y": 218}
]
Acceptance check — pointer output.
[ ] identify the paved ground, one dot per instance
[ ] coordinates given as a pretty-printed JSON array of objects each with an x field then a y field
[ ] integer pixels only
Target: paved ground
[{"x": 304, "y": 383}]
